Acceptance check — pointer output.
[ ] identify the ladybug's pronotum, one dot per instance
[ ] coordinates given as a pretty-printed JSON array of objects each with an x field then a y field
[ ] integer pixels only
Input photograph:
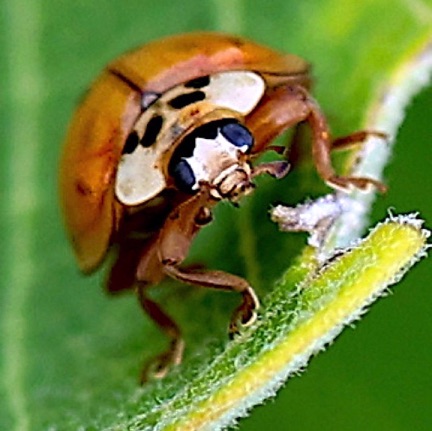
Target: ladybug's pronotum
[{"x": 164, "y": 134}]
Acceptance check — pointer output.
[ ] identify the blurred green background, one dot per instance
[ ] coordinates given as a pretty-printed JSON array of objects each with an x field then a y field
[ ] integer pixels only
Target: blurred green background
[{"x": 68, "y": 338}]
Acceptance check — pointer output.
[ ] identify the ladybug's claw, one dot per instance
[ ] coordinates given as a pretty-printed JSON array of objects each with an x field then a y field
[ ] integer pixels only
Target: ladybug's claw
[
  {"x": 362, "y": 183},
  {"x": 158, "y": 367},
  {"x": 246, "y": 314}
]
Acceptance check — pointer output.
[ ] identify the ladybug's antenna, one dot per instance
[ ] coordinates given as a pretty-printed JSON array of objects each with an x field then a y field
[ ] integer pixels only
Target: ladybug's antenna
[{"x": 277, "y": 169}]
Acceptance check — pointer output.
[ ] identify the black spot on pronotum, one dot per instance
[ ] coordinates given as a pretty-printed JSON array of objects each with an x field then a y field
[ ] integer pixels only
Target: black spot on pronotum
[
  {"x": 207, "y": 131},
  {"x": 200, "y": 82},
  {"x": 186, "y": 99},
  {"x": 152, "y": 131},
  {"x": 131, "y": 143}
]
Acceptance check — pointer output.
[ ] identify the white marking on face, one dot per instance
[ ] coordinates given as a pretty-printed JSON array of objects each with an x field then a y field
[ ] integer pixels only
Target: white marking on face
[{"x": 211, "y": 157}]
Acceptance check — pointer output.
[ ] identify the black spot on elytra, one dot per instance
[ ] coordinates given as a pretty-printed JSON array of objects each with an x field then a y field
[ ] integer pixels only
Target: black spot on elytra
[
  {"x": 200, "y": 82},
  {"x": 131, "y": 143},
  {"x": 186, "y": 99},
  {"x": 152, "y": 131}
]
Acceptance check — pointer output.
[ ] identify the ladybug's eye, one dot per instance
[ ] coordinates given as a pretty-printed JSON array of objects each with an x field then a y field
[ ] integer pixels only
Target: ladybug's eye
[
  {"x": 238, "y": 135},
  {"x": 183, "y": 175}
]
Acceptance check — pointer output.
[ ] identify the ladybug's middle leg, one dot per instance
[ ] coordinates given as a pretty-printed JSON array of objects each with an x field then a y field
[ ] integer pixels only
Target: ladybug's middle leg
[
  {"x": 137, "y": 266},
  {"x": 159, "y": 366},
  {"x": 355, "y": 138}
]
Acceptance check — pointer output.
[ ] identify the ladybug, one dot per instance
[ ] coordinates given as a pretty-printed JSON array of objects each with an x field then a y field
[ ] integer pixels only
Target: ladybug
[{"x": 165, "y": 133}]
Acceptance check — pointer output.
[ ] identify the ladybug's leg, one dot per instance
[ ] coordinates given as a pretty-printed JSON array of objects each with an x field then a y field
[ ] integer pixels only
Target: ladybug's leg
[
  {"x": 354, "y": 139},
  {"x": 285, "y": 107},
  {"x": 277, "y": 169},
  {"x": 159, "y": 366},
  {"x": 137, "y": 266},
  {"x": 321, "y": 147},
  {"x": 245, "y": 314},
  {"x": 174, "y": 242},
  {"x": 148, "y": 272}
]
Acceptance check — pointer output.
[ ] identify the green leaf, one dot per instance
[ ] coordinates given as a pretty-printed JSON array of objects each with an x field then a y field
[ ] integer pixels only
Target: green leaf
[
  {"x": 69, "y": 356},
  {"x": 301, "y": 316}
]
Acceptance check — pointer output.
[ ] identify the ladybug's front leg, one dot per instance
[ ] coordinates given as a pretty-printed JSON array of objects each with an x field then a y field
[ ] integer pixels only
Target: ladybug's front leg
[
  {"x": 286, "y": 106},
  {"x": 174, "y": 242},
  {"x": 245, "y": 314}
]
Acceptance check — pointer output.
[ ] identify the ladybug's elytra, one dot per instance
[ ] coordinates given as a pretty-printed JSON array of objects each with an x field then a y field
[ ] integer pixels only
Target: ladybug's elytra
[{"x": 165, "y": 133}]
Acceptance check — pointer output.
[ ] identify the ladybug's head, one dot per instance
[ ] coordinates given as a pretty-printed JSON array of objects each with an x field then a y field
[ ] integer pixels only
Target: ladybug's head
[{"x": 215, "y": 155}]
